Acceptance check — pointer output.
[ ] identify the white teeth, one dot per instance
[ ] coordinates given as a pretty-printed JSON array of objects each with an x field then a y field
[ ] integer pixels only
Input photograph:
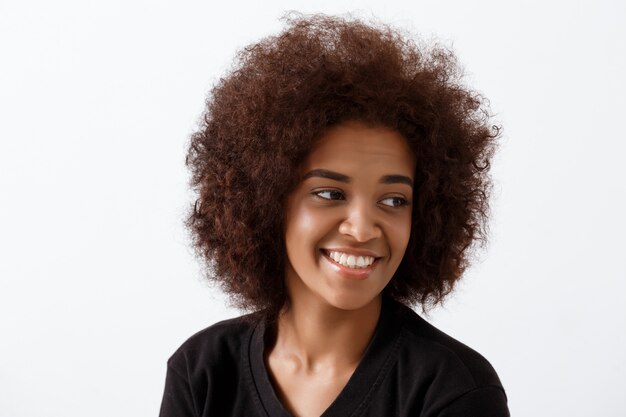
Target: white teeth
[{"x": 351, "y": 261}]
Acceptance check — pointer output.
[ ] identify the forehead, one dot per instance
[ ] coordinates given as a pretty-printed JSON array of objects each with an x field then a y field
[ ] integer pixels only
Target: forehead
[{"x": 356, "y": 145}]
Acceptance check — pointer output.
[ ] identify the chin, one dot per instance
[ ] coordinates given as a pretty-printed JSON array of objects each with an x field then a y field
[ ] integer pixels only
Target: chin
[{"x": 351, "y": 302}]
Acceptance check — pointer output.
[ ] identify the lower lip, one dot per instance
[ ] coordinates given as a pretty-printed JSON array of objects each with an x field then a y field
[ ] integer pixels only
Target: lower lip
[{"x": 351, "y": 273}]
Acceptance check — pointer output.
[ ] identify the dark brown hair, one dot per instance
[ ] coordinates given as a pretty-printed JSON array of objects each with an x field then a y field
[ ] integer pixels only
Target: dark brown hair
[{"x": 282, "y": 94}]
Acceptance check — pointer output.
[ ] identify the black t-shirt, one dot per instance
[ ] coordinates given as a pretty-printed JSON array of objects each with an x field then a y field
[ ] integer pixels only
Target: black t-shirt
[{"x": 409, "y": 368}]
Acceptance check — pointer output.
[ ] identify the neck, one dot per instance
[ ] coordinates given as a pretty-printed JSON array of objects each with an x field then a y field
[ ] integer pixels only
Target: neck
[{"x": 313, "y": 334}]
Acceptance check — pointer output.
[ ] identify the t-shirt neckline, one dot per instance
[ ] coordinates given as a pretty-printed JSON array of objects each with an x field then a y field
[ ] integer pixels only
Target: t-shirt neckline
[{"x": 368, "y": 375}]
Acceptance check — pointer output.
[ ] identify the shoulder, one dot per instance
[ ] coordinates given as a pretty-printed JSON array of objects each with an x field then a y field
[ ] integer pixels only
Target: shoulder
[
  {"x": 203, "y": 374},
  {"x": 451, "y": 371},
  {"x": 445, "y": 352},
  {"x": 213, "y": 348}
]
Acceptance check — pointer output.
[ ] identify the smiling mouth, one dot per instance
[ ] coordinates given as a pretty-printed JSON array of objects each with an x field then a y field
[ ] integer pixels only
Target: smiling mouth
[{"x": 350, "y": 261}]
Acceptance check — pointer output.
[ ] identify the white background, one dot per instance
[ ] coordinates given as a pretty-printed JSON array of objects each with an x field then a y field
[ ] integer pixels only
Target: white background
[{"x": 98, "y": 285}]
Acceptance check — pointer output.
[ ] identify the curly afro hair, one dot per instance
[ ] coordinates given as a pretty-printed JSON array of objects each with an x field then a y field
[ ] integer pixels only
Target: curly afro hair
[{"x": 282, "y": 94}]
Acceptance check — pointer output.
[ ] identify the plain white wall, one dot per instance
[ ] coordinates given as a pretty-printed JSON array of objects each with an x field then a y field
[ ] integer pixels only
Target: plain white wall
[{"x": 98, "y": 286}]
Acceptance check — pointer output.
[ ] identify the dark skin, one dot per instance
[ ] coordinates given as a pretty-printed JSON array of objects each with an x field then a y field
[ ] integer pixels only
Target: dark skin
[{"x": 364, "y": 214}]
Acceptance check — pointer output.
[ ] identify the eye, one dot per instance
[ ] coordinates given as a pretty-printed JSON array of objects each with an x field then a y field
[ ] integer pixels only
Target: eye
[
  {"x": 395, "y": 202},
  {"x": 329, "y": 194}
]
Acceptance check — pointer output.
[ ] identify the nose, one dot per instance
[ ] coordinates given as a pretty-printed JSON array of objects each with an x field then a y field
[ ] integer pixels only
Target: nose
[{"x": 360, "y": 223}]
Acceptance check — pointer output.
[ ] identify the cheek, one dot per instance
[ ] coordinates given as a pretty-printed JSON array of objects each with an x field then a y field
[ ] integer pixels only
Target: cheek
[
  {"x": 305, "y": 228},
  {"x": 400, "y": 234}
]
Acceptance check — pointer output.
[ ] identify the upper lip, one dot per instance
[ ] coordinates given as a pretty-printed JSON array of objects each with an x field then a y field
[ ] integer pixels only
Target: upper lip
[{"x": 354, "y": 251}]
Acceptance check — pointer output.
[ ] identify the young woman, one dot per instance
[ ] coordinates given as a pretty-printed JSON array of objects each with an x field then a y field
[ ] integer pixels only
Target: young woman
[{"x": 342, "y": 176}]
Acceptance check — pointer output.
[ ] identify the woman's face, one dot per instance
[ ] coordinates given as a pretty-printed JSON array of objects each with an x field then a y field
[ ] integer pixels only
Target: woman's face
[{"x": 348, "y": 222}]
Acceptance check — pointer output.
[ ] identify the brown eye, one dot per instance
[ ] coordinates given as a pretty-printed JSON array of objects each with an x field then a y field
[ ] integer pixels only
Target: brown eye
[
  {"x": 395, "y": 202},
  {"x": 329, "y": 194}
]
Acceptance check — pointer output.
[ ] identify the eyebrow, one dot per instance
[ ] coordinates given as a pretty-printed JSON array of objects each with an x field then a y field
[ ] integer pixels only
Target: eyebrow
[{"x": 332, "y": 175}]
